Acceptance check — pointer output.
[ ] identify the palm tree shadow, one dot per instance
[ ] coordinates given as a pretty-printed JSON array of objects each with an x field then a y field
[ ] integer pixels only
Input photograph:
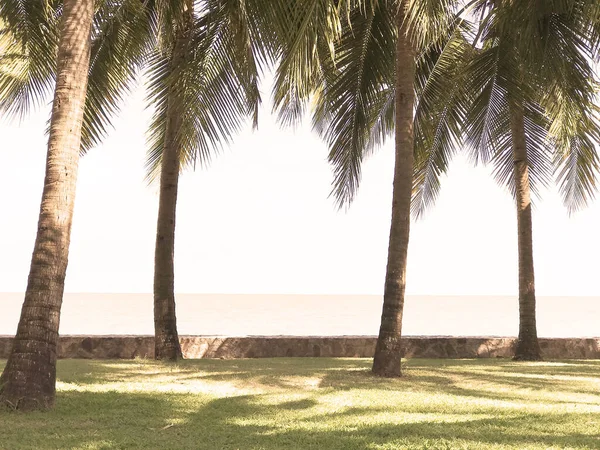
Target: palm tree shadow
[
  {"x": 293, "y": 417},
  {"x": 126, "y": 420},
  {"x": 305, "y": 432}
]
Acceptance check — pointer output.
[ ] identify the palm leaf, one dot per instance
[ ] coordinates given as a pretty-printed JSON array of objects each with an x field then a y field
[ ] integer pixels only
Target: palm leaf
[
  {"x": 123, "y": 36},
  {"x": 303, "y": 29},
  {"x": 441, "y": 111},
  {"x": 355, "y": 98},
  {"x": 539, "y": 152},
  {"x": 217, "y": 86},
  {"x": 29, "y": 43}
]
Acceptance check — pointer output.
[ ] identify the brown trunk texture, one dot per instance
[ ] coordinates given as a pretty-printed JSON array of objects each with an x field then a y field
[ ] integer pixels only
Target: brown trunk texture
[
  {"x": 387, "y": 360},
  {"x": 166, "y": 338},
  {"x": 528, "y": 348},
  {"x": 29, "y": 378}
]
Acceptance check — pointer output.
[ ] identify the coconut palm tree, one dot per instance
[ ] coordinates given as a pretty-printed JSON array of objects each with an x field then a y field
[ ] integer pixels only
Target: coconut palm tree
[
  {"x": 523, "y": 99},
  {"x": 116, "y": 36},
  {"x": 341, "y": 52},
  {"x": 203, "y": 83},
  {"x": 121, "y": 38},
  {"x": 359, "y": 62},
  {"x": 28, "y": 381}
]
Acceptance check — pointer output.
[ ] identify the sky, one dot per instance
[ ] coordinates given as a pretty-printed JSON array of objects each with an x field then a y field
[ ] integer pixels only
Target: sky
[{"x": 258, "y": 220}]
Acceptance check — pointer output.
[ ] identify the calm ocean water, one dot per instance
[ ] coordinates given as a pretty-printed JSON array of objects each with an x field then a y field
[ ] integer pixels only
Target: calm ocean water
[{"x": 304, "y": 315}]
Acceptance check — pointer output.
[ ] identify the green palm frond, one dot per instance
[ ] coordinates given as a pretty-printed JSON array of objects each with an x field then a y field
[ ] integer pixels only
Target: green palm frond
[
  {"x": 441, "y": 111},
  {"x": 383, "y": 120},
  {"x": 570, "y": 88},
  {"x": 355, "y": 98},
  {"x": 496, "y": 77},
  {"x": 123, "y": 36},
  {"x": 429, "y": 20},
  {"x": 29, "y": 43},
  {"x": 157, "y": 74},
  {"x": 216, "y": 85},
  {"x": 578, "y": 169},
  {"x": 539, "y": 151},
  {"x": 484, "y": 119},
  {"x": 576, "y": 133},
  {"x": 591, "y": 10},
  {"x": 167, "y": 15},
  {"x": 305, "y": 31},
  {"x": 251, "y": 47}
]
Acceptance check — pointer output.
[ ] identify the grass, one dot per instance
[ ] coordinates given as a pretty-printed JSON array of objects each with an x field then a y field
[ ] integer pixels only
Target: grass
[{"x": 315, "y": 403}]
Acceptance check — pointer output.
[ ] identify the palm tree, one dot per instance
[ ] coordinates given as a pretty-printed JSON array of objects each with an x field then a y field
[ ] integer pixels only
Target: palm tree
[
  {"x": 387, "y": 359},
  {"x": 203, "y": 82},
  {"x": 28, "y": 381},
  {"x": 359, "y": 60},
  {"x": 166, "y": 339},
  {"x": 116, "y": 39},
  {"x": 525, "y": 96}
]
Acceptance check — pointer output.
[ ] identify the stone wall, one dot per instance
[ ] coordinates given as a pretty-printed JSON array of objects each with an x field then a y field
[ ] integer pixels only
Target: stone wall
[{"x": 128, "y": 347}]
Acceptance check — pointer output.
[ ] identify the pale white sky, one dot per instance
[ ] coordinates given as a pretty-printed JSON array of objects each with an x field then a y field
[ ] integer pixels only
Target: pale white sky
[{"x": 259, "y": 220}]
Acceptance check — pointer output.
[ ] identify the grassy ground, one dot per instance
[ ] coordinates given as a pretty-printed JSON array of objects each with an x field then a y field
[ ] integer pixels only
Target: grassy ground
[{"x": 315, "y": 404}]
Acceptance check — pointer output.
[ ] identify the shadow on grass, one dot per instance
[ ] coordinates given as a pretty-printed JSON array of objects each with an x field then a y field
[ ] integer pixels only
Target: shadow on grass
[
  {"x": 519, "y": 431},
  {"x": 499, "y": 380},
  {"x": 115, "y": 420},
  {"x": 343, "y": 406}
]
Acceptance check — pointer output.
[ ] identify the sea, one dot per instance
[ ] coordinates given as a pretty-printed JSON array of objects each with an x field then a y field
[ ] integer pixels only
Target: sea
[{"x": 313, "y": 315}]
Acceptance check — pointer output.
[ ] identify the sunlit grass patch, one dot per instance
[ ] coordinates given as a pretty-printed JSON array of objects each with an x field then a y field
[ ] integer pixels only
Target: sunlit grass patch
[{"x": 315, "y": 403}]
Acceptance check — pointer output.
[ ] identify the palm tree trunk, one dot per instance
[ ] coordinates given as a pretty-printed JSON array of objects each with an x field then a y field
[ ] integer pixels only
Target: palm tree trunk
[
  {"x": 166, "y": 338},
  {"x": 29, "y": 379},
  {"x": 528, "y": 348},
  {"x": 387, "y": 361}
]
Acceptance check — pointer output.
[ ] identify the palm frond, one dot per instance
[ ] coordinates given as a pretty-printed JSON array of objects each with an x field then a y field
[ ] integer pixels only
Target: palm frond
[
  {"x": 441, "y": 111},
  {"x": 29, "y": 43},
  {"x": 216, "y": 85},
  {"x": 251, "y": 48},
  {"x": 577, "y": 173},
  {"x": 539, "y": 152},
  {"x": 487, "y": 113},
  {"x": 429, "y": 20},
  {"x": 569, "y": 88},
  {"x": 496, "y": 77},
  {"x": 123, "y": 35},
  {"x": 304, "y": 28},
  {"x": 355, "y": 97},
  {"x": 157, "y": 74},
  {"x": 576, "y": 133}
]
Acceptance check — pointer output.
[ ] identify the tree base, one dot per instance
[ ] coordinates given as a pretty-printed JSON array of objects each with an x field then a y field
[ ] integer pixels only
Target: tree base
[
  {"x": 528, "y": 351},
  {"x": 168, "y": 352},
  {"x": 28, "y": 382},
  {"x": 168, "y": 358},
  {"x": 386, "y": 373},
  {"x": 17, "y": 400},
  {"x": 387, "y": 361},
  {"x": 527, "y": 357}
]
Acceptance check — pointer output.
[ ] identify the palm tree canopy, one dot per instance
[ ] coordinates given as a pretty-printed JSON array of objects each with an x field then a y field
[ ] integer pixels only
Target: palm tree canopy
[
  {"x": 217, "y": 82},
  {"x": 473, "y": 63},
  {"x": 340, "y": 55},
  {"x": 538, "y": 55},
  {"x": 219, "y": 79},
  {"x": 29, "y": 44},
  {"x": 121, "y": 36}
]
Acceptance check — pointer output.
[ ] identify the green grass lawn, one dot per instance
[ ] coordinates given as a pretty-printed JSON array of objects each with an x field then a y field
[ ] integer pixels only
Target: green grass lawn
[{"x": 314, "y": 403}]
